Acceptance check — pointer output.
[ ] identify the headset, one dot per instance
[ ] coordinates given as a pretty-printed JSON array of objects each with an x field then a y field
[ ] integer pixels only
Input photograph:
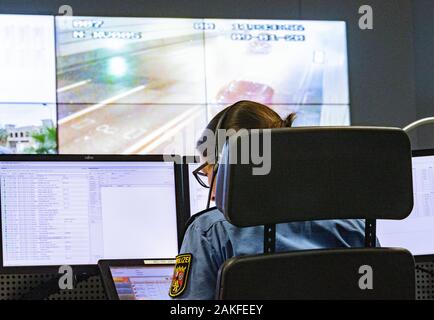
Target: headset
[{"x": 216, "y": 150}]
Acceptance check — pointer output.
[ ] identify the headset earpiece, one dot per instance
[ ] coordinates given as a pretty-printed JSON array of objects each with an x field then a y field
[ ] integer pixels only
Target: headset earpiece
[{"x": 216, "y": 151}]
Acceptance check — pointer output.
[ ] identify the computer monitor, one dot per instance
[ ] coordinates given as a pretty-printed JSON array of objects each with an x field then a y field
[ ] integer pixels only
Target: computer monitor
[
  {"x": 137, "y": 279},
  {"x": 76, "y": 210},
  {"x": 416, "y": 232}
]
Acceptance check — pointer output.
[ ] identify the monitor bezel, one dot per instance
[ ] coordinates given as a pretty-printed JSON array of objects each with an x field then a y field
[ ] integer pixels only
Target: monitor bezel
[
  {"x": 92, "y": 269},
  {"x": 416, "y": 154},
  {"x": 422, "y": 153},
  {"x": 106, "y": 275}
]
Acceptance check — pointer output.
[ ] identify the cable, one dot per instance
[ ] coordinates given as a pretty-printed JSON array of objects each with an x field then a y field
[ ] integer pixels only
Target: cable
[
  {"x": 214, "y": 174},
  {"x": 418, "y": 123}
]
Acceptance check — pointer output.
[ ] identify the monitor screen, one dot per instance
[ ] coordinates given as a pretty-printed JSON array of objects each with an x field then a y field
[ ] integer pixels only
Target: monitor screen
[
  {"x": 416, "y": 232},
  {"x": 142, "y": 282},
  {"x": 198, "y": 194},
  {"x": 27, "y": 60},
  {"x": 27, "y": 84},
  {"x": 117, "y": 85},
  {"x": 75, "y": 213}
]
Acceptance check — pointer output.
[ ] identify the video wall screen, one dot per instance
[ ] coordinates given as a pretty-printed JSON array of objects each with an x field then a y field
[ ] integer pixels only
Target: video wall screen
[
  {"x": 79, "y": 85},
  {"x": 27, "y": 84}
]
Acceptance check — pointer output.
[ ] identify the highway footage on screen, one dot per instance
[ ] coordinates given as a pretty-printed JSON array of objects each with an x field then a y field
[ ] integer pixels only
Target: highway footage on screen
[
  {"x": 150, "y": 85},
  {"x": 133, "y": 85}
]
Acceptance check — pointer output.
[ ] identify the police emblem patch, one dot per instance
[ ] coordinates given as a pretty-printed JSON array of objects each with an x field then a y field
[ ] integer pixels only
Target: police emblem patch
[{"x": 180, "y": 275}]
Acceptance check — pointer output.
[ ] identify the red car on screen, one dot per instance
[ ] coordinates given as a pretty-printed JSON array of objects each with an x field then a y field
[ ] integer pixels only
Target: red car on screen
[{"x": 245, "y": 90}]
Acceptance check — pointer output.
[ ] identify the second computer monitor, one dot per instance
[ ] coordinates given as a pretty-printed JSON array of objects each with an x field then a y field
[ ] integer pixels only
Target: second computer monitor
[
  {"x": 194, "y": 194},
  {"x": 416, "y": 232},
  {"x": 198, "y": 194}
]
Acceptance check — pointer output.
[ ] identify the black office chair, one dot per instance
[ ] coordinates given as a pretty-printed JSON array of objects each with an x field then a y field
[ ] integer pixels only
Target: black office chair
[{"x": 319, "y": 174}]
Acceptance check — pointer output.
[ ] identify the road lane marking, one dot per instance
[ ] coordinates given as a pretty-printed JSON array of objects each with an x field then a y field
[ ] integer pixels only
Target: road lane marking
[
  {"x": 100, "y": 105},
  {"x": 73, "y": 86},
  {"x": 168, "y": 134},
  {"x": 161, "y": 130}
]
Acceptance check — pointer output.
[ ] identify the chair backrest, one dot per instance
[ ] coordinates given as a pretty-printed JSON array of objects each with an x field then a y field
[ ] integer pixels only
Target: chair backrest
[
  {"x": 367, "y": 273},
  {"x": 317, "y": 174}
]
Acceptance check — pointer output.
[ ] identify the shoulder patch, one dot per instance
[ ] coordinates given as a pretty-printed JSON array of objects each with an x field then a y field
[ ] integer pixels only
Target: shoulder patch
[{"x": 180, "y": 275}]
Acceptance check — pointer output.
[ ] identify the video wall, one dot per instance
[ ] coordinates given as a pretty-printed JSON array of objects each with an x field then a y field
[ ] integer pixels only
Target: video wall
[{"x": 93, "y": 85}]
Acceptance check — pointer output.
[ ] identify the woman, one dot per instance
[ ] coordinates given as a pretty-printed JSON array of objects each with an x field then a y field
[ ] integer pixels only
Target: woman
[{"x": 210, "y": 239}]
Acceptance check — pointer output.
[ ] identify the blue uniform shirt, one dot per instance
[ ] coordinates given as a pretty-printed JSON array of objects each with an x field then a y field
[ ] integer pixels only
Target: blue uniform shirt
[{"x": 211, "y": 239}]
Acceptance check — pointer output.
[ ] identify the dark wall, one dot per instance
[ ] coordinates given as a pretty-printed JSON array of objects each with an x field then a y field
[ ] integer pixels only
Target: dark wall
[{"x": 391, "y": 75}]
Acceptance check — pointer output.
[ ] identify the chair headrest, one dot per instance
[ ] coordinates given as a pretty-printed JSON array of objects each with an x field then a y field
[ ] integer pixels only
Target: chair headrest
[{"x": 315, "y": 173}]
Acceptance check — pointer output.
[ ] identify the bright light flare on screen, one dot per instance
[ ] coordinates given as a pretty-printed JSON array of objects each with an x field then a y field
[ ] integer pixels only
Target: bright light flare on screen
[{"x": 117, "y": 67}]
